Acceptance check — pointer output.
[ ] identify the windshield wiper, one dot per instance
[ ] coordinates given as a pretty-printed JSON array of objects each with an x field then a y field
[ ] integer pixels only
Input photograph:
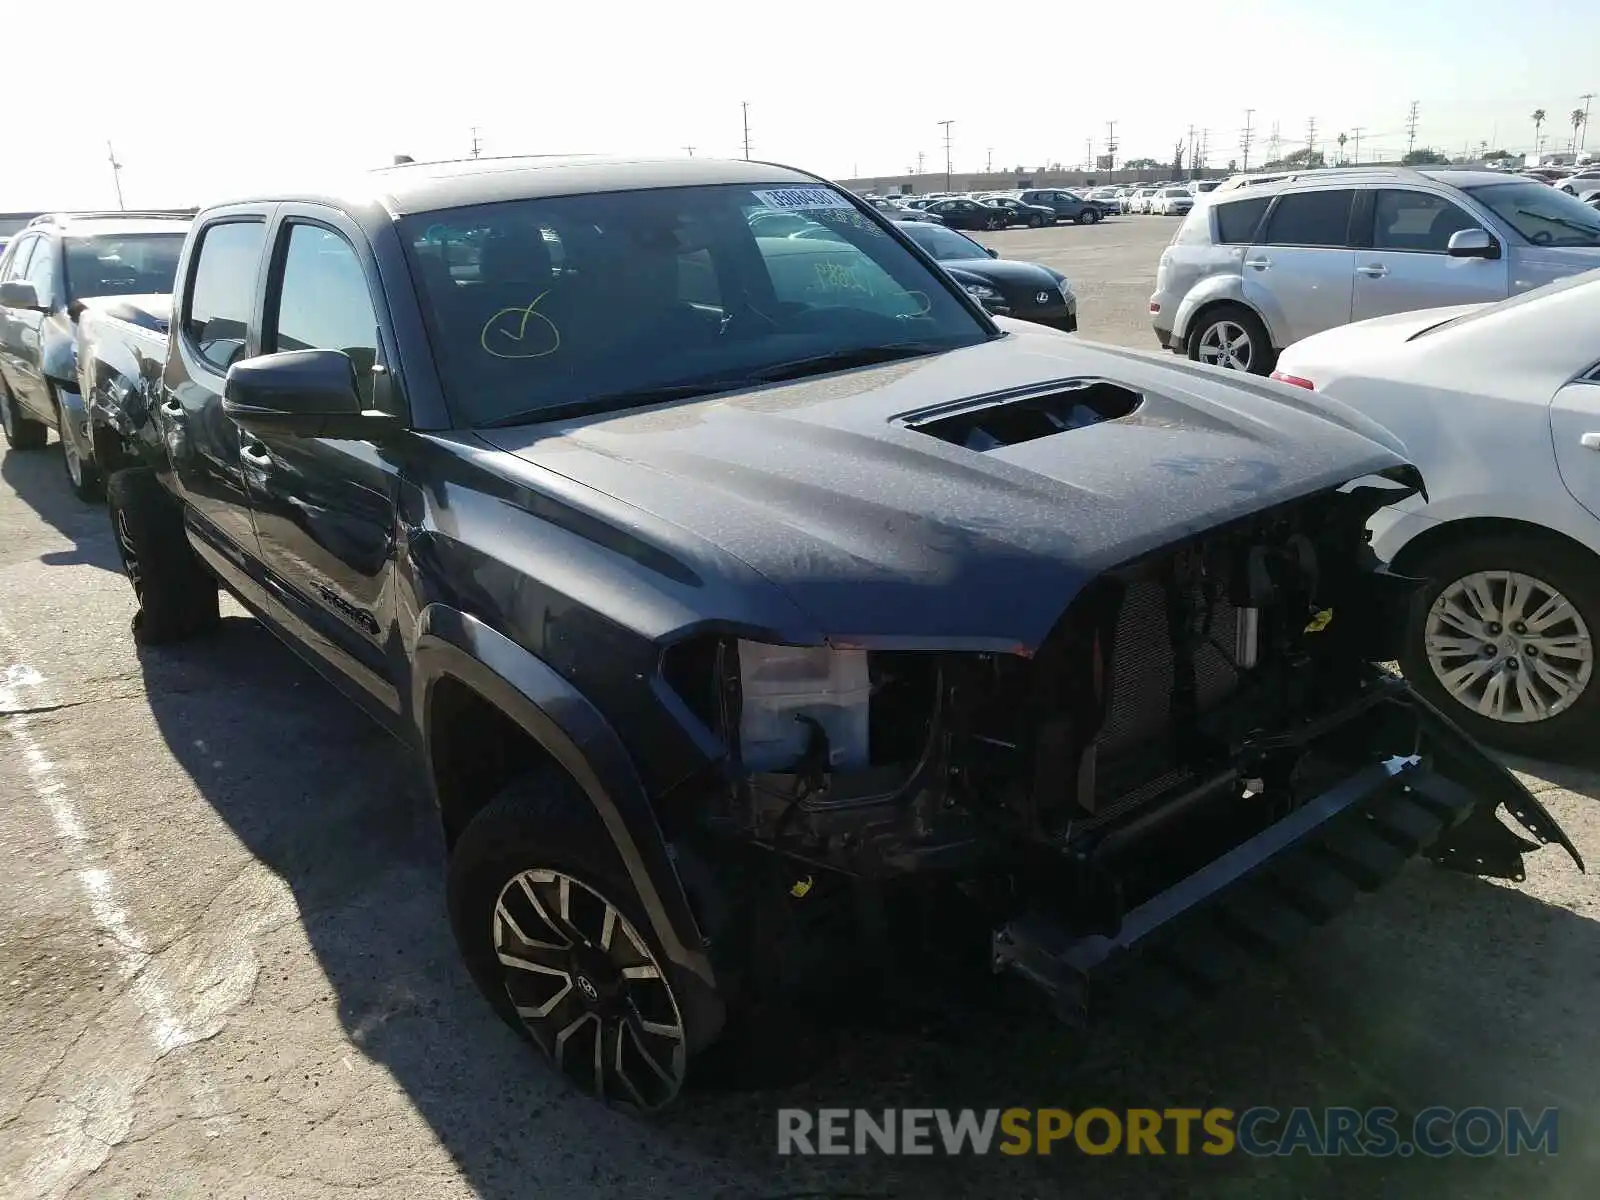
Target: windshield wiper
[
  {"x": 1570, "y": 224},
  {"x": 840, "y": 360},
  {"x": 612, "y": 402}
]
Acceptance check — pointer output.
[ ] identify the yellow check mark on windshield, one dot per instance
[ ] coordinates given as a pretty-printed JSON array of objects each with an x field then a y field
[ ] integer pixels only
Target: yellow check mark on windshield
[{"x": 505, "y": 335}]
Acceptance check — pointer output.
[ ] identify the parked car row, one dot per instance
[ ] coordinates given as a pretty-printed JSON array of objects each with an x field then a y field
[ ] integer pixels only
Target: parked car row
[{"x": 706, "y": 567}]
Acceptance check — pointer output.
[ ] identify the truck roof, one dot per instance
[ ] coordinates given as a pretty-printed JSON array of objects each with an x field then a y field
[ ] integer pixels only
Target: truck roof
[{"x": 425, "y": 187}]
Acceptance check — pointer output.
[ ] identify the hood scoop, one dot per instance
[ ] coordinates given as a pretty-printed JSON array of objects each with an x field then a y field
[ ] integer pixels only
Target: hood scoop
[{"x": 1011, "y": 420}]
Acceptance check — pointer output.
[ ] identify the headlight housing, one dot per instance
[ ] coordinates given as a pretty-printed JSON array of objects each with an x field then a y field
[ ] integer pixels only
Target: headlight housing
[{"x": 981, "y": 291}]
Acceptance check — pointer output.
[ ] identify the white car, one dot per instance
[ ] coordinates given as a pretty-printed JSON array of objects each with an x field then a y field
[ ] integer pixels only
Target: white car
[
  {"x": 1499, "y": 405},
  {"x": 1172, "y": 202},
  {"x": 1139, "y": 199}
]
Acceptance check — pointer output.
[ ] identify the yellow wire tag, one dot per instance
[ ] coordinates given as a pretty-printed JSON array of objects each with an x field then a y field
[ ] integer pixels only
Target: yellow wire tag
[
  {"x": 801, "y": 887},
  {"x": 1320, "y": 621}
]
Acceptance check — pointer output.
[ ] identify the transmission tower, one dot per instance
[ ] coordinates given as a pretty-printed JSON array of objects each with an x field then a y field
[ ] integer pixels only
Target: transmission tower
[{"x": 1273, "y": 143}]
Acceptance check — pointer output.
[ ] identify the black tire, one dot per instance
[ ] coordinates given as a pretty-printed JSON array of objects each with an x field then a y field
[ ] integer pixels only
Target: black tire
[
  {"x": 544, "y": 825},
  {"x": 1260, "y": 356},
  {"x": 1568, "y": 570},
  {"x": 83, "y": 477},
  {"x": 1088, "y": 217},
  {"x": 177, "y": 595},
  {"x": 22, "y": 433},
  {"x": 993, "y": 223},
  {"x": 1035, "y": 221}
]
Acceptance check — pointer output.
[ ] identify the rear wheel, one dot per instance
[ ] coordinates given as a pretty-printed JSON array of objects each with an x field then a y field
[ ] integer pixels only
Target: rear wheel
[
  {"x": 1501, "y": 640},
  {"x": 1035, "y": 221},
  {"x": 1233, "y": 337},
  {"x": 555, "y": 937},
  {"x": 22, "y": 433},
  {"x": 177, "y": 595},
  {"x": 1088, "y": 217}
]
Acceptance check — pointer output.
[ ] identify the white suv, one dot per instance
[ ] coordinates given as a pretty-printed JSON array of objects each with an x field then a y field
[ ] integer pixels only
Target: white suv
[{"x": 1257, "y": 268}]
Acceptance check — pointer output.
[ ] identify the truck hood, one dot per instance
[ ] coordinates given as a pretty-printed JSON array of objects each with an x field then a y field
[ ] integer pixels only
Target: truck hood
[{"x": 884, "y": 533}]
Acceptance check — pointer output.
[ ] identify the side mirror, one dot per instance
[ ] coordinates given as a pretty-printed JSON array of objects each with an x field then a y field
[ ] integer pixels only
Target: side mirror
[
  {"x": 19, "y": 293},
  {"x": 301, "y": 393},
  {"x": 992, "y": 252},
  {"x": 1472, "y": 243}
]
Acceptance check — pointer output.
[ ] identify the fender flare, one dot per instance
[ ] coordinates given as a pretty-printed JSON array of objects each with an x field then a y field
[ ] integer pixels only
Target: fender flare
[{"x": 562, "y": 720}]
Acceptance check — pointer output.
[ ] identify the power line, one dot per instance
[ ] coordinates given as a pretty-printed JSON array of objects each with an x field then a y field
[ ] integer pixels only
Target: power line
[
  {"x": 745, "y": 106},
  {"x": 1411, "y": 128},
  {"x": 946, "y": 125},
  {"x": 1246, "y": 137},
  {"x": 116, "y": 174}
]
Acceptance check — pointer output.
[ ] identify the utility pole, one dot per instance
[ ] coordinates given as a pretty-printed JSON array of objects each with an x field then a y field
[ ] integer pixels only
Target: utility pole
[
  {"x": 920, "y": 157},
  {"x": 988, "y": 164},
  {"x": 1088, "y": 153},
  {"x": 1205, "y": 135},
  {"x": 1355, "y": 136},
  {"x": 1247, "y": 137},
  {"x": 946, "y": 125},
  {"x": 690, "y": 149},
  {"x": 1411, "y": 129},
  {"x": 475, "y": 143},
  {"x": 1311, "y": 140},
  {"x": 116, "y": 174},
  {"x": 1190, "y": 159},
  {"x": 1111, "y": 148},
  {"x": 745, "y": 105},
  {"x": 1583, "y": 132}
]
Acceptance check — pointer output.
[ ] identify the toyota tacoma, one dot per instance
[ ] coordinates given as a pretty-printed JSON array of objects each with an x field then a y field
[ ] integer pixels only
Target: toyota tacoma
[{"x": 752, "y": 624}]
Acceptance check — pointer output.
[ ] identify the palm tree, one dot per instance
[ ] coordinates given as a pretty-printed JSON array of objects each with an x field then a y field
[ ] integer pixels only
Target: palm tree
[
  {"x": 1538, "y": 120},
  {"x": 1342, "y": 140},
  {"x": 1577, "y": 119}
]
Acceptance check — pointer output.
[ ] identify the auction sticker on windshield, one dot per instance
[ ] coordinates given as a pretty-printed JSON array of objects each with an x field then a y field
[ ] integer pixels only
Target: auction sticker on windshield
[{"x": 790, "y": 198}]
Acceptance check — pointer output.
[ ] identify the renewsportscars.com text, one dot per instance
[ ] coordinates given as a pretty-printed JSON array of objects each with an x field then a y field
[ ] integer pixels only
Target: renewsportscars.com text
[{"x": 1261, "y": 1131}]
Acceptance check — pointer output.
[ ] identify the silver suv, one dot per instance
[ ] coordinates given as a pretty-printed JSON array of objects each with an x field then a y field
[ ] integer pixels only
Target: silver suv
[{"x": 1257, "y": 268}]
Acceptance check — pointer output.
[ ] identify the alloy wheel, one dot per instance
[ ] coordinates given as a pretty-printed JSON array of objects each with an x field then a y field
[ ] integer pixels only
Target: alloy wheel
[
  {"x": 130, "y": 556},
  {"x": 1227, "y": 344},
  {"x": 589, "y": 989},
  {"x": 1508, "y": 646}
]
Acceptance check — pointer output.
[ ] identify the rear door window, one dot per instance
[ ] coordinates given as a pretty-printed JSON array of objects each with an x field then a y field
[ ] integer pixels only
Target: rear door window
[
  {"x": 1237, "y": 220},
  {"x": 17, "y": 268},
  {"x": 1311, "y": 219},
  {"x": 217, "y": 317}
]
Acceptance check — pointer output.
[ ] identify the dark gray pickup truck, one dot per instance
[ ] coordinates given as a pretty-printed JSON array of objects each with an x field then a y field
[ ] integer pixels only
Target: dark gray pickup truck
[{"x": 766, "y": 632}]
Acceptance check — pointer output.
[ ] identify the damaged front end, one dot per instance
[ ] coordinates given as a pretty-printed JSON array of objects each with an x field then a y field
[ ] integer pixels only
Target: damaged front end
[{"x": 1201, "y": 762}]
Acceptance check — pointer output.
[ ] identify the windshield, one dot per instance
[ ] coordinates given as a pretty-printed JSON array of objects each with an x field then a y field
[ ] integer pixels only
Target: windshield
[
  {"x": 944, "y": 243},
  {"x": 1546, "y": 216},
  {"x": 569, "y": 302},
  {"x": 139, "y": 264}
]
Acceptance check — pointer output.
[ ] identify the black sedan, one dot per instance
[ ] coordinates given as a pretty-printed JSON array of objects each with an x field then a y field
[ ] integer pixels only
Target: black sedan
[
  {"x": 1018, "y": 213},
  {"x": 1028, "y": 291},
  {"x": 961, "y": 212}
]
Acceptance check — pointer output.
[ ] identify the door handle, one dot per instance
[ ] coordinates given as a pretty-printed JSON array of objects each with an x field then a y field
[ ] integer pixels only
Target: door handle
[
  {"x": 256, "y": 457},
  {"x": 1590, "y": 441},
  {"x": 1373, "y": 270},
  {"x": 1260, "y": 264}
]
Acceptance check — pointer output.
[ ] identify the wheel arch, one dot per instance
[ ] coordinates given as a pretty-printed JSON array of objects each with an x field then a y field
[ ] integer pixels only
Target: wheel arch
[
  {"x": 455, "y": 653},
  {"x": 1447, "y": 534}
]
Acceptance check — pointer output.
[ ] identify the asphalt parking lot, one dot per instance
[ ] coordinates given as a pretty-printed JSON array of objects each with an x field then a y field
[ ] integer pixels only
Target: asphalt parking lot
[{"x": 225, "y": 971}]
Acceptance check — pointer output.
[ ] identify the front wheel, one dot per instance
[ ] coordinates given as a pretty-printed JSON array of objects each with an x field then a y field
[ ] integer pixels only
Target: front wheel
[
  {"x": 1233, "y": 337},
  {"x": 554, "y": 936},
  {"x": 1501, "y": 639},
  {"x": 992, "y": 224},
  {"x": 1088, "y": 217},
  {"x": 83, "y": 477},
  {"x": 177, "y": 595},
  {"x": 1035, "y": 221}
]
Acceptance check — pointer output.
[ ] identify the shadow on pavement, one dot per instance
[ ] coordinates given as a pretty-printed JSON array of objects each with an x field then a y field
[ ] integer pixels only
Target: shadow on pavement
[
  {"x": 1443, "y": 990},
  {"x": 40, "y": 479}
]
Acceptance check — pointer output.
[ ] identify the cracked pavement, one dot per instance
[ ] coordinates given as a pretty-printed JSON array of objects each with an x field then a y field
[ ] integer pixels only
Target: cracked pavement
[{"x": 225, "y": 969}]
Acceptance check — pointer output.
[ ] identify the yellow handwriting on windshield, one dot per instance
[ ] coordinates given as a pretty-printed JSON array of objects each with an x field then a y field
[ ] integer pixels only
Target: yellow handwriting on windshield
[{"x": 507, "y": 333}]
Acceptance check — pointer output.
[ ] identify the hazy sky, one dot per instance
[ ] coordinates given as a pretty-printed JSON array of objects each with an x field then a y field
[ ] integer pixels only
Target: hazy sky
[{"x": 206, "y": 100}]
